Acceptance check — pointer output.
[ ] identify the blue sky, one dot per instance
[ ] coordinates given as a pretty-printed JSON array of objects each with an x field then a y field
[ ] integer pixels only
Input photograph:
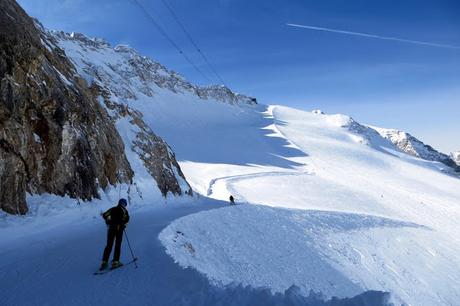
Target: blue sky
[{"x": 384, "y": 83}]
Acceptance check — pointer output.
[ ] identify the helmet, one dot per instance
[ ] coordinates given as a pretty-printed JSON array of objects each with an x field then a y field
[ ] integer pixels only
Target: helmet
[{"x": 123, "y": 202}]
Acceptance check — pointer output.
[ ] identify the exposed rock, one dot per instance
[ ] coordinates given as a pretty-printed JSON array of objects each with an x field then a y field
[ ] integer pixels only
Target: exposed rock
[
  {"x": 128, "y": 77},
  {"x": 158, "y": 158},
  {"x": 55, "y": 135}
]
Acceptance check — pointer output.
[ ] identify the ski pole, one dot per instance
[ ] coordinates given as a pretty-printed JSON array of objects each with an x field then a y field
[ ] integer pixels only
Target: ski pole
[{"x": 129, "y": 245}]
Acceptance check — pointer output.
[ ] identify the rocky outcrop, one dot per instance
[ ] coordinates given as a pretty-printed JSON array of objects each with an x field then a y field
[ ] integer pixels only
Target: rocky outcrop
[
  {"x": 125, "y": 75},
  {"x": 55, "y": 135},
  {"x": 158, "y": 158}
]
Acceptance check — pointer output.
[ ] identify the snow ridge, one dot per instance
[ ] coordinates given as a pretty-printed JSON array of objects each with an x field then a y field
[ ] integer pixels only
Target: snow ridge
[
  {"x": 412, "y": 146},
  {"x": 128, "y": 73},
  {"x": 388, "y": 140}
]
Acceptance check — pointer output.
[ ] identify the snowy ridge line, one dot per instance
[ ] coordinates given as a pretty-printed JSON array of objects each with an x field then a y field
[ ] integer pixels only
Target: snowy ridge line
[
  {"x": 412, "y": 146},
  {"x": 128, "y": 75}
]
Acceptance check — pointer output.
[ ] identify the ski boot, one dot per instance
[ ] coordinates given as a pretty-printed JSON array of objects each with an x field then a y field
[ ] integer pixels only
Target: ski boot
[
  {"x": 116, "y": 264},
  {"x": 104, "y": 265}
]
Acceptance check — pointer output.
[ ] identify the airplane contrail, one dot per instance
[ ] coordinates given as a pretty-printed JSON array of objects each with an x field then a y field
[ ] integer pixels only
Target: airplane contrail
[{"x": 374, "y": 36}]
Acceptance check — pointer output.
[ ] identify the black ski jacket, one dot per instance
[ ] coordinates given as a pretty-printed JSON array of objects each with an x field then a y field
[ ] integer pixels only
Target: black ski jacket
[{"x": 116, "y": 216}]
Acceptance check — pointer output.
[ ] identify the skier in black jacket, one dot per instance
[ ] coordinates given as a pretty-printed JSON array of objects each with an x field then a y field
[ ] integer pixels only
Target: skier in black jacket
[{"x": 116, "y": 219}]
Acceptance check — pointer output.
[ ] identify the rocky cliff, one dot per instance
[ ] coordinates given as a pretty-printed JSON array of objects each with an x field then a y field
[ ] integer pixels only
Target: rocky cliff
[{"x": 56, "y": 133}]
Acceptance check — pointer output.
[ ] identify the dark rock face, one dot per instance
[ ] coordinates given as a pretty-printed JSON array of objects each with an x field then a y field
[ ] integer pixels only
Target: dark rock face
[{"x": 55, "y": 136}]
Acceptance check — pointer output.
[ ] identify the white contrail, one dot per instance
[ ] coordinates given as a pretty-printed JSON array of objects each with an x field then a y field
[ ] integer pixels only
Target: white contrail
[{"x": 374, "y": 36}]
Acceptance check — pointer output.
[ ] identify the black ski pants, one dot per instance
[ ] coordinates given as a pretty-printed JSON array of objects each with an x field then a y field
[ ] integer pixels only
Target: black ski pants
[{"x": 115, "y": 232}]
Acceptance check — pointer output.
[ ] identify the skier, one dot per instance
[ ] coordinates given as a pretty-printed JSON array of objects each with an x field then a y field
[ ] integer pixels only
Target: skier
[
  {"x": 232, "y": 200},
  {"x": 116, "y": 219}
]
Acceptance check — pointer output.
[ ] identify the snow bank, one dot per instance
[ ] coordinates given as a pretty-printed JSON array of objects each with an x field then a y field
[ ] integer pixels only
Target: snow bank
[
  {"x": 277, "y": 248},
  {"x": 233, "y": 295}
]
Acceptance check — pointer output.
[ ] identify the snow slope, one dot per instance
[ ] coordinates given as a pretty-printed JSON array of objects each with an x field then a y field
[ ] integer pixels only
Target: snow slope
[
  {"x": 411, "y": 211},
  {"x": 398, "y": 216},
  {"x": 54, "y": 265}
]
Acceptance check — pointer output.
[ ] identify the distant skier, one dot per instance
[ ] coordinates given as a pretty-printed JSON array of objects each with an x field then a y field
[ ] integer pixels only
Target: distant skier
[
  {"x": 116, "y": 218},
  {"x": 232, "y": 200}
]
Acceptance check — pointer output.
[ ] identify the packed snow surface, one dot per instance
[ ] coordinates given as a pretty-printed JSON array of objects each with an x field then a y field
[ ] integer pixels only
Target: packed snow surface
[{"x": 49, "y": 258}]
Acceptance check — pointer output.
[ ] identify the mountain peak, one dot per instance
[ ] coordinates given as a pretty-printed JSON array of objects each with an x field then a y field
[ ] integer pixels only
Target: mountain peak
[{"x": 413, "y": 146}]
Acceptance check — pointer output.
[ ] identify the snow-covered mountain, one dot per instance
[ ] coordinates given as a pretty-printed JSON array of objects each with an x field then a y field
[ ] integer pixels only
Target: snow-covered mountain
[
  {"x": 456, "y": 157},
  {"x": 394, "y": 141},
  {"x": 412, "y": 146},
  {"x": 127, "y": 74},
  {"x": 329, "y": 211}
]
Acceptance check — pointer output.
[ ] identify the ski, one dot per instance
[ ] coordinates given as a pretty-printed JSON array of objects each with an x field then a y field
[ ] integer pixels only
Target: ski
[{"x": 111, "y": 269}]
